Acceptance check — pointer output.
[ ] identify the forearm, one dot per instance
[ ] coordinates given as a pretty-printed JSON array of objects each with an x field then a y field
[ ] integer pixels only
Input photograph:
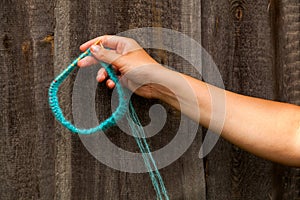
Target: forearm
[{"x": 265, "y": 128}]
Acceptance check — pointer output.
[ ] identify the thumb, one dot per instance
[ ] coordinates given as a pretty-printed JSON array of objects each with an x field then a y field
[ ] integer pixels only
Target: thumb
[{"x": 106, "y": 55}]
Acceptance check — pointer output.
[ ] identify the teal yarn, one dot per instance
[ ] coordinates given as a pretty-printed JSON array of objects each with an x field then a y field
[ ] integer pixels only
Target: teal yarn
[
  {"x": 54, "y": 104},
  {"x": 139, "y": 135},
  {"x": 121, "y": 111}
]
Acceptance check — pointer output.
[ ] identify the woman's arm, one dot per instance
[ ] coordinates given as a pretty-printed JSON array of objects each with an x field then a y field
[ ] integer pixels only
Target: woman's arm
[{"x": 265, "y": 128}]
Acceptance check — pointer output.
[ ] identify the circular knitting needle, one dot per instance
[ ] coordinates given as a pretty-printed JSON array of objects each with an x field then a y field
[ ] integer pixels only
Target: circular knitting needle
[
  {"x": 54, "y": 104},
  {"x": 121, "y": 110}
]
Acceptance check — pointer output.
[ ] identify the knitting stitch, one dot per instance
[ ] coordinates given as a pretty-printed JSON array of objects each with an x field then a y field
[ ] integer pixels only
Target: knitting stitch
[{"x": 124, "y": 103}]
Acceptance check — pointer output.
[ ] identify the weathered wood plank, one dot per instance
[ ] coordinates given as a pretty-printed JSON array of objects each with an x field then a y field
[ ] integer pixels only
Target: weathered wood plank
[
  {"x": 252, "y": 75},
  {"x": 63, "y": 148},
  {"x": 193, "y": 174},
  {"x": 27, "y": 154},
  {"x": 287, "y": 18},
  {"x": 6, "y": 152},
  {"x": 255, "y": 45},
  {"x": 42, "y": 36},
  {"x": 288, "y": 45},
  {"x": 238, "y": 35},
  {"x": 217, "y": 39},
  {"x": 90, "y": 178},
  {"x": 93, "y": 180}
]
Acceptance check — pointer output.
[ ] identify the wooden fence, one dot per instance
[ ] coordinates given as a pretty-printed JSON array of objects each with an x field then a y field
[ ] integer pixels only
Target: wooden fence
[{"x": 255, "y": 44}]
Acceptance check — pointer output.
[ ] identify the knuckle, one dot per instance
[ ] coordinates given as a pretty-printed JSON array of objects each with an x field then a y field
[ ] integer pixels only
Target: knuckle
[{"x": 100, "y": 55}]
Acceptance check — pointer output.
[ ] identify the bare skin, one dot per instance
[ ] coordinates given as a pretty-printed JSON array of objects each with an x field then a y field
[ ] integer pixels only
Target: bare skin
[{"x": 265, "y": 128}]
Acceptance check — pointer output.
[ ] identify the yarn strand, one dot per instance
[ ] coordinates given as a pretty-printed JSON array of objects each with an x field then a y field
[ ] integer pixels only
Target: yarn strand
[{"x": 121, "y": 111}]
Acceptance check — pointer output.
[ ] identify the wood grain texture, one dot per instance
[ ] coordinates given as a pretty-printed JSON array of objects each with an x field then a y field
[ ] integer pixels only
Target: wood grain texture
[
  {"x": 217, "y": 38},
  {"x": 238, "y": 36},
  {"x": 288, "y": 50},
  {"x": 27, "y": 140},
  {"x": 92, "y": 180},
  {"x": 193, "y": 173},
  {"x": 63, "y": 148},
  {"x": 287, "y": 29},
  {"x": 255, "y": 44}
]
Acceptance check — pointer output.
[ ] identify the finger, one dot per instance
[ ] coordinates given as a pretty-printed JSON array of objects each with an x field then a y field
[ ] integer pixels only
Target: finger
[
  {"x": 87, "y": 61},
  {"x": 115, "y": 42},
  {"x": 123, "y": 81},
  {"x": 110, "y": 84},
  {"x": 105, "y": 55},
  {"x": 101, "y": 75},
  {"x": 114, "y": 68},
  {"x": 122, "y": 45},
  {"x": 103, "y": 71},
  {"x": 110, "y": 41},
  {"x": 89, "y": 43}
]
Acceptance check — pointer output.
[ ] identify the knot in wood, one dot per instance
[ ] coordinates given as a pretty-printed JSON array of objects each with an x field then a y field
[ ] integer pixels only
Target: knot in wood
[{"x": 239, "y": 13}]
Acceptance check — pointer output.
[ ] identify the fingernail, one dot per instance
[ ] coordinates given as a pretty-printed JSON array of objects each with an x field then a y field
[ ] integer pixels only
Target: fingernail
[
  {"x": 95, "y": 48},
  {"x": 80, "y": 63},
  {"x": 100, "y": 77},
  {"x": 111, "y": 84}
]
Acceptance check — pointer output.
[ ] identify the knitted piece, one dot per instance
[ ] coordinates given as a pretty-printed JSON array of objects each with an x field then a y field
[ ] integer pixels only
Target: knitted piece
[
  {"x": 54, "y": 104},
  {"x": 136, "y": 127}
]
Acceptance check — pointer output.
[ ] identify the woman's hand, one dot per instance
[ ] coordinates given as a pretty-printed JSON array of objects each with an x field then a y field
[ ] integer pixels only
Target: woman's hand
[
  {"x": 265, "y": 128},
  {"x": 127, "y": 57}
]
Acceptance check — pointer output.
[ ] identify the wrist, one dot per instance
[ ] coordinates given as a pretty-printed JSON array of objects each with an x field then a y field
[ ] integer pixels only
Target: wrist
[{"x": 162, "y": 85}]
